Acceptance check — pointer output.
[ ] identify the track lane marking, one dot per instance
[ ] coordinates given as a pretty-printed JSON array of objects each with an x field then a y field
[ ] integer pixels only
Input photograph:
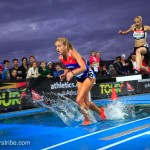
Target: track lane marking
[
  {"x": 123, "y": 141},
  {"x": 87, "y": 135}
]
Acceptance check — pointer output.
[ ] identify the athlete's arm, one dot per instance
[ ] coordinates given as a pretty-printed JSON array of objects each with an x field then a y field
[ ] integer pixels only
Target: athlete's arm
[
  {"x": 80, "y": 61},
  {"x": 125, "y": 32},
  {"x": 147, "y": 28},
  {"x": 63, "y": 76}
]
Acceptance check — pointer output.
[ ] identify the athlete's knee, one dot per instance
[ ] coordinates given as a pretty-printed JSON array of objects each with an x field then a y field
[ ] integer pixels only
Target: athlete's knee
[
  {"x": 78, "y": 100},
  {"x": 138, "y": 51}
]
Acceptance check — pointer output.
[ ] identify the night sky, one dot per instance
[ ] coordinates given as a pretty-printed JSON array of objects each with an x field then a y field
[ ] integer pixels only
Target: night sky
[{"x": 30, "y": 27}]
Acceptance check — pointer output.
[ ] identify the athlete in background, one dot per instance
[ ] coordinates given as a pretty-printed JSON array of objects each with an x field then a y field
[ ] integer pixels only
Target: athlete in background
[
  {"x": 76, "y": 66},
  {"x": 140, "y": 46}
]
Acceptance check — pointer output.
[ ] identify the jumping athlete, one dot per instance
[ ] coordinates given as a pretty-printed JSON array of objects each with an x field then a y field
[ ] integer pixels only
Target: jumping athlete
[
  {"x": 140, "y": 46},
  {"x": 76, "y": 66}
]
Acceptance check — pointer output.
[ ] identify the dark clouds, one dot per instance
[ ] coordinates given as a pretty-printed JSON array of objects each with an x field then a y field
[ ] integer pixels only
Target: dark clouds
[{"x": 31, "y": 27}]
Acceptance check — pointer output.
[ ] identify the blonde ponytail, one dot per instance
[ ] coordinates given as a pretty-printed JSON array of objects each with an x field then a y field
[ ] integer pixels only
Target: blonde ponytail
[
  {"x": 66, "y": 42},
  {"x": 139, "y": 17}
]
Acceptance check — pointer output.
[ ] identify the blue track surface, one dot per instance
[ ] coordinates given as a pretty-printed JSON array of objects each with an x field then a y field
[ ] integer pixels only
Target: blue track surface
[
  {"x": 95, "y": 140},
  {"x": 47, "y": 131}
]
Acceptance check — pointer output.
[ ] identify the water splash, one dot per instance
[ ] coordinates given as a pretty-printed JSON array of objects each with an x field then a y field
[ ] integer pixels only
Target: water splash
[
  {"x": 70, "y": 113},
  {"x": 118, "y": 110},
  {"x": 67, "y": 110}
]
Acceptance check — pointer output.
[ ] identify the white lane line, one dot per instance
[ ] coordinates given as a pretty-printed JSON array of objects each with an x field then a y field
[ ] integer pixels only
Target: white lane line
[
  {"x": 84, "y": 136},
  {"x": 125, "y": 140}
]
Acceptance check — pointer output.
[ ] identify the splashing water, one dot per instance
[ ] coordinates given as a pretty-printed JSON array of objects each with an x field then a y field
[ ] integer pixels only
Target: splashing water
[
  {"x": 118, "y": 110},
  {"x": 66, "y": 109},
  {"x": 70, "y": 113}
]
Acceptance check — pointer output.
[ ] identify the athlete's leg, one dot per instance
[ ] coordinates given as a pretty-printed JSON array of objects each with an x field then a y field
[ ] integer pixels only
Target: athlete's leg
[
  {"x": 80, "y": 101},
  {"x": 92, "y": 106},
  {"x": 145, "y": 69},
  {"x": 83, "y": 95},
  {"x": 139, "y": 51}
]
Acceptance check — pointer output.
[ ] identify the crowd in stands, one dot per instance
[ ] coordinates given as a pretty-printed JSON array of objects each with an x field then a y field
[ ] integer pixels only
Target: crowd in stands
[
  {"x": 28, "y": 70},
  {"x": 119, "y": 67},
  {"x": 32, "y": 69}
]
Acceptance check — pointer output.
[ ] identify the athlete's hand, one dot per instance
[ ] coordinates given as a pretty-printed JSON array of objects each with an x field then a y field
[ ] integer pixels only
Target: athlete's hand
[
  {"x": 120, "y": 32},
  {"x": 69, "y": 76},
  {"x": 62, "y": 77}
]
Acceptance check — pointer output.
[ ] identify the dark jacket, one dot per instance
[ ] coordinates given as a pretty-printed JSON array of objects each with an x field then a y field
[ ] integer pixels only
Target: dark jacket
[
  {"x": 118, "y": 68},
  {"x": 43, "y": 73},
  {"x": 22, "y": 72}
]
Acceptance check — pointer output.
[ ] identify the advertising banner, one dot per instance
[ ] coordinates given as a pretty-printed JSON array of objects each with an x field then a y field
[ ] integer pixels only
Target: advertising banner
[
  {"x": 104, "y": 90},
  {"x": 10, "y": 95},
  {"x": 143, "y": 86},
  {"x": 19, "y": 95}
]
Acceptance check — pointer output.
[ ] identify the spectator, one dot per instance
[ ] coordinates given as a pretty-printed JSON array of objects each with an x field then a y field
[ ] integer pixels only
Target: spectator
[
  {"x": 31, "y": 59},
  {"x": 59, "y": 70},
  {"x": 132, "y": 64},
  {"x": 118, "y": 66},
  {"x": 93, "y": 62},
  {"x": 1, "y": 71},
  {"x": 124, "y": 65},
  {"x": 13, "y": 75},
  {"x": 23, "y": 69},
  {"x": 15, "y": 65},
  {"x": 6, "y": 72},
  {"x": 104, "y": 71},
  {"x": 44, "y": 71},
  {"x": 112, "y": 71},
  {"x": 33, "y": 71},
  {"x": 50, "y": 67},
  {"x": 98, "y": 60}
]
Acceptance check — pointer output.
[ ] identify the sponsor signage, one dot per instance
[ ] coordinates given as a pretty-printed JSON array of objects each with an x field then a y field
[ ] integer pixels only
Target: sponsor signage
[
  {"x": 104, "y": 90},
  {"x": 9, "y": 99},
  {"x": 144, "y": 86},
  {"x": 17, "y": 94},
  {"x": 21, "y": 94}
]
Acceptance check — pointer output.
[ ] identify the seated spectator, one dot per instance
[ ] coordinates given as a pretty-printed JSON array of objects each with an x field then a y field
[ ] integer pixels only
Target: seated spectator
[
  {"x": 132, "y": 64},
  {"x": 44, "y": 71},
  {"x": 33, "y": 71},
  {"x": 6, "y": 72},
  {"x": 15, "y": 64},
  {"x": 31, "y": 60},
  {"x": 51, "y": 68},
  {"x": 23, "y": 69},
  {"x": 117, "y": 66},
  {"x": 104, "y": 71},
  {"x": 124, "y": 65},
  {"x": 59, "y": 70},
  {"x": 112, "y": 71},
  {"x": 13, "y": 75}
]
